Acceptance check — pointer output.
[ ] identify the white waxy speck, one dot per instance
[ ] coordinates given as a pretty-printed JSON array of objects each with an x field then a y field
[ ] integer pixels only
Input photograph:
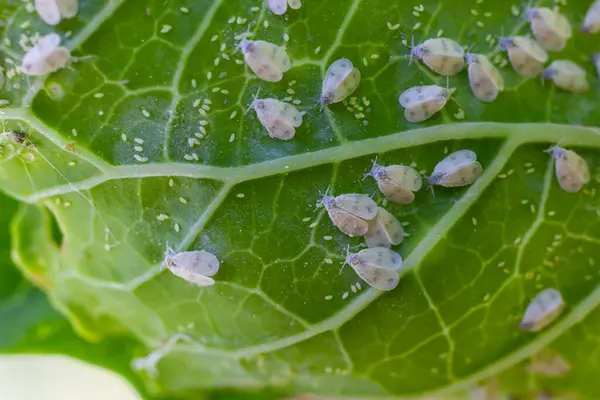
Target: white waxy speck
[
  {"x": 484, "y": 78},
  {"x": 422, "y": 102},
  {"x": 460, "y": 168},
  {"x": 232, "y": 138},
  {"x": 138, "y": 148},
  {"x": 278, "y": 118},
  {"x": 328, "y": 297},
  {"x": 146, "y": 113},
  {"x": 184, "y": 10},
  {"x": 183, "y": 200},
  {"x": 441, "y": 55},
  {"x": 397, "y": 182},
  {"x": 162, "y": 217},
  {"x": 233, "y": 115},
  {"x": 45, "y": 57},
  {"x": 345, "y": 295},
  {"x": 240, "y": 195},
  {"x": 377, "y": 266},
  {"x": 176, "y": 227},
  {"x": 267, "y": 60},
  {"x": 193, "y": 266},
  {"x": 350, "y": 212},
  {"x": 138, "y": 140},
  {"x": 341, "y": 80},
  {"x": 99, "y": 95},
  {"x": 525, "y": 54},
  {"x": 567, "y": 75},
  {"x": 52, "y": 11},
  {"x": 543, "y": 310},
  {"x": 572, "y": 171}
]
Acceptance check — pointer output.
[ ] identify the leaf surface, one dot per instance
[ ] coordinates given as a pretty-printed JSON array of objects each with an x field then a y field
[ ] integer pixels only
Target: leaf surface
[{"x": 145, "y": 142}]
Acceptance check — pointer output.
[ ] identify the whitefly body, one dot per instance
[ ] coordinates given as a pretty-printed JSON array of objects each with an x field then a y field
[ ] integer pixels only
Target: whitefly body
[
  {"x": 441, "y": 55},
  {"x": 591, "y": 22},
  {"x": 384, "y": 230},
  {"x": 542, "y": 310},
  {"x": 422, "y": 102},
  {"x": 526, "y": 56},
  {"x": 572, "y": 171},
  {"x": 377, "y": 266},
  {"x": 567, "y": 75},
  {"x": 52, "y": 11},
  {"x": 279, "y": 7},
  {"x": 351, "y": 213},
  {"x": 484, "y": 78},
  {"x": 341, "y": 80},
  {"x": 397, "y": 182},
  {"x": 280, "y": 119},
  {"x": 548, "y": 363},
  {"x": 194, "y": 266},
  {"x": 45, "y": 57},
  {"x": 268, "y": 61},
  {"x": 551, "y": 29},
  {"x": 460, "y": 168}
]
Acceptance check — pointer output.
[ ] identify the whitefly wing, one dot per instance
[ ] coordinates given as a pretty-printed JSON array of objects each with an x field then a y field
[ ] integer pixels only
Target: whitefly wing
[
  {"x": 443, "y": 55},
  {"x": 419, "y": 94},
  {"x": 404, "y": 176},
  {"x": 572, "y": 171},
  {"x": 287, "y": 112},
  {"x": 380, "y": 257},
  {"x": 68, "y": 8},
  {"x": 454, "y": 161},
  {"x": 335, "y": 75},
  {"x": 379, "y": 278},
  {"x": 357, "y": 204},
  {"x": 542, "y": 310},
  {"x": 591, "y": 22},
  {"x": 462, "y": 176},
  {"x": 48, "y": 10},
  {"x": 278, "y": 7},
  {"x": 199, "y": 262},
  {"x": 484, "y": 78},
  {"x": 531, "y": 47},
  {"x": 347, "y": 87},
  {"x": 385, "y": 230},
  {"x": 267, "y": 60},
  {"x": 348, "y": 223}
]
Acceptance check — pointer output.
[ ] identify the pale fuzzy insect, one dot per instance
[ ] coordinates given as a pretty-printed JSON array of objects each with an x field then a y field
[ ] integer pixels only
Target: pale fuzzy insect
[
  {"x": 341, "y": 80},
  {"x": 351, "y": 213},
  {"x": 596, "y": 59},
  {"x": 548, "y": 363},
  {"x": 484, "y": 78},
  {"x": 572, "y": 171},
  {"x": 543, "y": 310},
  {"x": 525, "y": 54},
  {"x": 279, "y": 7},
  {"x": 52, "y": 11},
  {"x": 567, "y": 75},
  {"x": 377, "y": 266},
  {"x": 267, "y": 60},
  {"x": 279, "y": 119},
  {"x": 422, "y": 102},
  {"x": 489, "y": 390},
  {"x": 550, "y": 28},
  {"x": 46, "y": 56},
  {"x": 397, "y": 182},
  {"x": 591, "y": 22},
  {"x": 384, "y": 230},
  {"x": 460, "y": 168},
  {"x": 193, "y": 266},
  {"x": 441, "y": 55}
]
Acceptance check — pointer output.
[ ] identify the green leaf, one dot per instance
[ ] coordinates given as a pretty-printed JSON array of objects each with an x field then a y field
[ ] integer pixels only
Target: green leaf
[{"x": 120, "y": 159}]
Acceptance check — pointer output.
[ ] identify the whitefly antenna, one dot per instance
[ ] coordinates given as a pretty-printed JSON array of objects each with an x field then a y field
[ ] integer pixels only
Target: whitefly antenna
[{"x": 345, "y": 259}]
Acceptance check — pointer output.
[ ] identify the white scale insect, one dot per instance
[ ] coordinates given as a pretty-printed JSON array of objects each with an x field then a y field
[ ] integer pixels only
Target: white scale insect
[
  {"x": 279, "y": 119},
  {"x": 384, "y": 230},
  {"x": 567, "y": 75},
  {"x": 267, "y": 60},
  {"x": 460, "y": 168},
  {"x": 52, "y": 11},
  {"x": 279, "y": 7},
  {"x": 525, "y": 54},
  {"x": 548, "y": 363},
  {"x": 422, "y": 102},
  {"x": 378, "y": 267},
  {"x": 550, "y": 28},
  {"x": 591, "y": 22},
  {"x": 46, "y": 56},
  {"x": 441, "y": 55},
  {"x": 397, "y": 182},
  {"x": 341, "y": 80},
  {"x": 543, "y": 310},
  {"x": 572, "y": 171},
  {"x": 351, "y": 213},
  {"x": 484, "y": 78},
  {"x": 193, "y": 266}
]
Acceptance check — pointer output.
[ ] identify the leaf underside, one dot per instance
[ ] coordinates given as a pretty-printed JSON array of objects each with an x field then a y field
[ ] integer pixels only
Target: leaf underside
[{"x": 123, "y": 165}]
